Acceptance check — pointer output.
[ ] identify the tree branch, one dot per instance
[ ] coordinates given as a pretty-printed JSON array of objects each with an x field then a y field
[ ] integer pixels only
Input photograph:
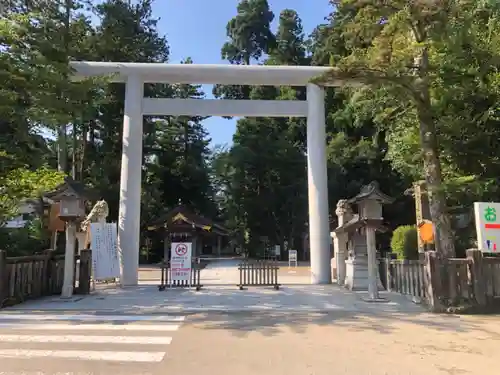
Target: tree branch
[{"x": 363, "y": 75}]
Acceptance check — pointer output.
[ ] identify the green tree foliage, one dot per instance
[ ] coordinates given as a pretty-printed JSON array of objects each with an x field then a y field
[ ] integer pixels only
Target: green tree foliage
[
  {"x": 38, "y": 39},
  {"x": 427, "y": 110},
  {"x": 32, "y": 238},
  {"x": 264, "y": 171},
  {"x": 22, "y": 184},
  {"x": 249, "y": 32},
  {"x": 404, "y": 242},
  {"x": 414, "y": 55},
  {"x": 250, "y": 37}
]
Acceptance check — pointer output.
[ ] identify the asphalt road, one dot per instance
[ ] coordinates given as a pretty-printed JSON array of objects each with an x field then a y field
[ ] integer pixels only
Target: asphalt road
[{"x": 248, "y": 343}]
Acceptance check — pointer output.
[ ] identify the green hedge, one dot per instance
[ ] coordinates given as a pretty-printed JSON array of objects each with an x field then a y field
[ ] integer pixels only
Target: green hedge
[
  {"x": 25, "y": 241},
  {"x": 404, "y": 242}
]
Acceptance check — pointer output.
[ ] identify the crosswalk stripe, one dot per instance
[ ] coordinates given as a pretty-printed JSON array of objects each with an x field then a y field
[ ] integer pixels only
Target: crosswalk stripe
[
  {"x": 84, "y": 355},
  {"x": 94, "y": 318},
  {"x": 143, "y": 340},
  {"x": 91, "y": 327},
  {"x": 50, "y": 327}
]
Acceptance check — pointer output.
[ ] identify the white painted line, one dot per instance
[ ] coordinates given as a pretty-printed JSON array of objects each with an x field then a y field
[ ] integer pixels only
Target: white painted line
[
  {"x": 143, "y": 340},
  {"x": 91, "y": 327},
  {"x": 84, "y": 355},
  {"x": 94, "y": 318}
]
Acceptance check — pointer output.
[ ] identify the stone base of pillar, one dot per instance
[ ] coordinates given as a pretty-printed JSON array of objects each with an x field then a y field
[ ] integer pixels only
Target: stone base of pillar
[
  {"x": 357, "y": 274},
  {"x": 333, "y": 266},
  {"x": 341, "y": 269},
  {"x": 67, "y": 292}
]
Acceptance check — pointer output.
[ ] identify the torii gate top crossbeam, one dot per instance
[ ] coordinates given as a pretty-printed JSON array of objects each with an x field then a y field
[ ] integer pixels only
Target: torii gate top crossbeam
[{"x": 259, "y": 75}]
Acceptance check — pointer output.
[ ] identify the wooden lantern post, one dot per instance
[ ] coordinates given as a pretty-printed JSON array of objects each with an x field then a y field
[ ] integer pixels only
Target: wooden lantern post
[{"x": 72, "y": 210}]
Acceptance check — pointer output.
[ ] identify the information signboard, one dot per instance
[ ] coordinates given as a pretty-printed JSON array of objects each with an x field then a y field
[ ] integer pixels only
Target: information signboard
[
  {"x": 180, "y": 261},
  {"x": 277, "y": 250},
  {"x": 292, "y": 257},
  {"x": 487, "y": 216},
  {"x": 103, "y": 243}
]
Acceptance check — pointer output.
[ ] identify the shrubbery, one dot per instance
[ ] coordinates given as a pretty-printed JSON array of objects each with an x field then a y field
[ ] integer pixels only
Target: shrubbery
[
  {"x": 404, "y": 242},
  {"x": 29, "y": 240}
]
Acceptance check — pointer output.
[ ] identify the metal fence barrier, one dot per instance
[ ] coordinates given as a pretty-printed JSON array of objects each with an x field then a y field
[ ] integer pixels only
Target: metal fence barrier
[
  {"x": 167, "y": 282},
  {"x": 258, "y": 273}
]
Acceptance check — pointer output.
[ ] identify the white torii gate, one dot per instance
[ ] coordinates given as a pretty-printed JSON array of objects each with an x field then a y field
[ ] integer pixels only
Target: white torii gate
[{"x": 135, "y": 75}]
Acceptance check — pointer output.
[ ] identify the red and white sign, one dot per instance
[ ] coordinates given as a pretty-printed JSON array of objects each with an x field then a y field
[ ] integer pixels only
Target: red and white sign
[{"x": 180, "y": 261}]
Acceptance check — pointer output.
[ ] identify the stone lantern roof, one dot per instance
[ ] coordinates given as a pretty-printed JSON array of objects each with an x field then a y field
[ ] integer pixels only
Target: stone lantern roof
[
  {"x": 371, "y": 192},
  {"x": 357, "y": 223},
  {"x": 370, "y": 214},
  {"x": 71, "y": 188}
]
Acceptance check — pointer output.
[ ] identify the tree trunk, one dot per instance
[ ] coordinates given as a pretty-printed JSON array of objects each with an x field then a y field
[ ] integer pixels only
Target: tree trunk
[
  {"x": 83, "y": 150},
  {"x": 444, "y": 240},
  {"x": 74, "y": 146},
  {"x": 62, "y": 155},
  {"x": 92, "y": 133},
  {"x": 62, "y": 151}
]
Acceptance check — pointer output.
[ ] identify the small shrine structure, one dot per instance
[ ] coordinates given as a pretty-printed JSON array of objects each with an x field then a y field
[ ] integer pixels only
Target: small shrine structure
[
  {"x": 354, "y": 239},
  {"x": 69, "y": 200},
  {"x": 79, "y": 194},
  {"x": 182, "y": 225}
]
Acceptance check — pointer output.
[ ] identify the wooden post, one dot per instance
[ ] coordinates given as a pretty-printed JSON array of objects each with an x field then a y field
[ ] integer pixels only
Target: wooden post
[
  {"x": 85, "y": 271},
  {"x": 3, "y": 277},
  {"x": 163, "y": 270},
  {"x": 478, "y": 277},
  {"x": 433, "y": 281},
  {"x": 388, "y": 273},
  {"x": 48, "y": 277},
  {"x": 69, "y": 261}
]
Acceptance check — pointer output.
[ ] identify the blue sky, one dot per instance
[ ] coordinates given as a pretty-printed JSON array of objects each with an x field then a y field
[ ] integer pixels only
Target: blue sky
[{"x": 197, "y": 29}]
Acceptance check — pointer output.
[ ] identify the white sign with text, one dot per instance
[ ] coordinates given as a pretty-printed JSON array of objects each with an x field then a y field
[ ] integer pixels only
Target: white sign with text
[
  {"x": 180, "y": 261},
  {"x": 103, "y": 243},
  {"x": 292, "y": 257},
  {"x": 487, "y": 217},
  {"x": 277, "y": 250}
]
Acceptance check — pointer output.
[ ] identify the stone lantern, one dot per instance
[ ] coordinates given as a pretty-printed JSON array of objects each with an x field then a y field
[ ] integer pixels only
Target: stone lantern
[
  {"x": 356, "y": 234},
  {"x": 71, "y": 196},
  {"x": 72, "y": 208}
]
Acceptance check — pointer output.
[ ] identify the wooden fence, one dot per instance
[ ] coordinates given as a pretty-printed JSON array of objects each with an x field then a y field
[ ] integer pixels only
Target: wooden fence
[
  {"x": 406, "y": 277},
  {"x": 29, "y": 277},
  {"x": 471, "y": 282}
]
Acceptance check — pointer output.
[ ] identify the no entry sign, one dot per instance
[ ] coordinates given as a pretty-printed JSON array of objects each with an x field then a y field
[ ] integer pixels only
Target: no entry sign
[{"x": 181, "y": 249}]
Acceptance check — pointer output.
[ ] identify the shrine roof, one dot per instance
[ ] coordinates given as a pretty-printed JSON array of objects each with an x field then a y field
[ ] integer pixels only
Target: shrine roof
[
  {"x": 359, "y": 222},
  {"x": 371, "y": 191},
  {"x": 183, "y": 215},
  {"x": 72, "y": 187}
]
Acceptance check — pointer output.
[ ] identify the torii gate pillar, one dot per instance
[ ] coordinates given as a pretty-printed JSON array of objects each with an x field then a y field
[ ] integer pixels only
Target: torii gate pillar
[
  {"x": 317, "y": 181},
  {"x": 129, "y": 217}
]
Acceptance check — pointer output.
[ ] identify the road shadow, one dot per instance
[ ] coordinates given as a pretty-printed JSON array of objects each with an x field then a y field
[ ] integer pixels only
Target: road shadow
[
  {"x": 262, "y": 310},
  {"x": 242, "y": 324}
]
